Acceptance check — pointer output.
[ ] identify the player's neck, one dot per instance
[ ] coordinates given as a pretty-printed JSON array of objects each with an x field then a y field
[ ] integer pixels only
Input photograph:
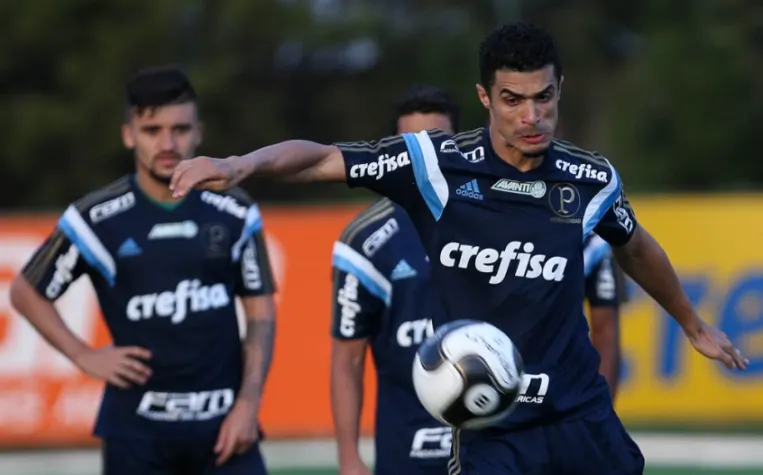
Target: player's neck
[
  {"x": 153, "y": 188},
  {"x": 511, "y": 155}
]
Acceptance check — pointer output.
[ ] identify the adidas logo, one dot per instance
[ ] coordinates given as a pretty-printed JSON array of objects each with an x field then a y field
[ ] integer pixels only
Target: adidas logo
[
  {"x": 129, "y": 248},
  {"x": 470, "y": 190},
  {"x": 403, "y": 271}
]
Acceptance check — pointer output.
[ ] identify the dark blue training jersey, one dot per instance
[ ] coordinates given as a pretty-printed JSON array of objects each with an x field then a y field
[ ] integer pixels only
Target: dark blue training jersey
[
  {"x": 381, "y": 283},
  {"x": 166, "y": 280},
  {"x": 507, "y": 247}
]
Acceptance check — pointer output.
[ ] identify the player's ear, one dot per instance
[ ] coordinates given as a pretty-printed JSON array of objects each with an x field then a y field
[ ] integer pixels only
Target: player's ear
[
  {"x": 127, "y": 138},
  {"x": 483, "y": 96}
]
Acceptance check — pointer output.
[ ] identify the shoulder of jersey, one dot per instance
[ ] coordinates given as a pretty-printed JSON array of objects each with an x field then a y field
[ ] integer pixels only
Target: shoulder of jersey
[
  {"x": 464, "y": 147},
  {"x": 581, "y": 165},
  {"x": 235, "y": 202},
  {"x": 106, "y": 202},
  {"x": 373, "y": 228}
]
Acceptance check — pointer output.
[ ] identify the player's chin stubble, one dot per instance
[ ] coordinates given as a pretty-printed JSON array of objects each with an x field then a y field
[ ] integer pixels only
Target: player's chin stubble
[{"x": 160, "y": 178}]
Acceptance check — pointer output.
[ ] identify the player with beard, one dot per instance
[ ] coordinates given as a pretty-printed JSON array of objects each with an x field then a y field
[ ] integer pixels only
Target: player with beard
[{"x": 182, "y": 390}]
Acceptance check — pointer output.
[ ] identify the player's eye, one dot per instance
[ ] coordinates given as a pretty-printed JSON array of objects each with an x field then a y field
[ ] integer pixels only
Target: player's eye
[
  {"x": 544, "y": 97},
  {"x": 151, "y": 130},
  {"x": 511, "y": 100},
  {"x": 182, "y": 129}
]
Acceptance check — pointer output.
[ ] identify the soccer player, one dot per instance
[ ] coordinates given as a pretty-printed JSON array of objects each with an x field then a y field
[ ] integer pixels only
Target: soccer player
[
  {"x": 381, "y": 277},
  {"x": 604, "y": 291},
  {"x": 182, "y": 390},
  {"x": 502, "y": 213}
]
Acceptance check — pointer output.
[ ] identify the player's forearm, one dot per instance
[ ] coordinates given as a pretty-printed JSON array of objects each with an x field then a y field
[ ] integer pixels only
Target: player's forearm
[
  {"x": 346, "y": 404},
  {"x": 294, "y": 160},
  {"x": 44, "y": 317},
  {"x": 258, "y": 355},
  {"x": 644, "y": 260}
]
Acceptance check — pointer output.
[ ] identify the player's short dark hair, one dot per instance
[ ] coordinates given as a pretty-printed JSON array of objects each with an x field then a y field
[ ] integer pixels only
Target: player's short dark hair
[
  {"x": 155, "y": 87},
  {"x": 520, "y": 47},
  {"x": 426, "y": 99}
]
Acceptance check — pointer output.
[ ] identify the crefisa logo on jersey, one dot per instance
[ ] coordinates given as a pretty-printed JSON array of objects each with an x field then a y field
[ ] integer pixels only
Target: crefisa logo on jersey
[
  {"x": 63, "y": 274},
  {"x": 347, "y": 299},
  {"x": 486, "y": 260},
  {"x": 188, "y": 296},
  {"x": 224, "y": 203},
  {"x": 384, "y": 164},
  {"x": 584, "y": 170}
]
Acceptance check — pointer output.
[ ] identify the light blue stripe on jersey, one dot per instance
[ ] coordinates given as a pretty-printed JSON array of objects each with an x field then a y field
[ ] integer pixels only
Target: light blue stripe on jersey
[
  {"x": 74, "y": 226},
  {"x": 595, "y": 251},
  {"x": 252, "y": 225},
  {"x": 351, "y": 261},
  {"x": 601, "y": 203},
  {"x": 426, "y": 170}
]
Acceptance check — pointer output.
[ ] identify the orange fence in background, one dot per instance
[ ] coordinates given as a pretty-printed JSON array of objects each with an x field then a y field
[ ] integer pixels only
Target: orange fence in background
[
  {"x": 45, "y": 400},
  {"x": 714, "y": 242}
]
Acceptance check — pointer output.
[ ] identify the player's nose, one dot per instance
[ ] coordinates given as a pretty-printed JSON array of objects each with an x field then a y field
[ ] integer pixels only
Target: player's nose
[
  {"x": 531, "y": 114},
  {"x": 167, "y": 142}
]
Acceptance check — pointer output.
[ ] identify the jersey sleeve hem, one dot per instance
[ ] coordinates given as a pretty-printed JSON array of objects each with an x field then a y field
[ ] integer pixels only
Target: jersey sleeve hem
[{"x": 347, "y": 259}]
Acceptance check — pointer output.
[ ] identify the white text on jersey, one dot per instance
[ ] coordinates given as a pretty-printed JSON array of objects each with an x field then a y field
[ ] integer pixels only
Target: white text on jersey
[
  {"x": 414, "y": 332},
  {"x": 63, "y": 275},
  {"x": 583, "y": 171},
  {"x": 189, "y": 295},
  {"x": 529, "y": 265},
  {"x": 224, "y": 203},
  {"x": 347, "y": 298},
  {"x": 534, "y": 388},
  {"x": 177, "y": 407},
  {"x": 384, "y": 164}
]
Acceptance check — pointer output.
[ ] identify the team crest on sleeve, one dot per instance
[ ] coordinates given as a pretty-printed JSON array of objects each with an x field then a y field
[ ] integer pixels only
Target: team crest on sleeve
[{"x": 564, "y": 200}]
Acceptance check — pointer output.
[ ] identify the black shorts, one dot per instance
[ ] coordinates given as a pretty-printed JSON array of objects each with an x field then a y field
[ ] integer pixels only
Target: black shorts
[
  {"x": 595, "y": 444},
  {"x": 133, "y": 456}
]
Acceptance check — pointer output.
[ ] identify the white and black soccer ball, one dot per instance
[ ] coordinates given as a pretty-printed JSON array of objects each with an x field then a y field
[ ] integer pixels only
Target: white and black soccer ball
[{"x": 468, "y": 374}]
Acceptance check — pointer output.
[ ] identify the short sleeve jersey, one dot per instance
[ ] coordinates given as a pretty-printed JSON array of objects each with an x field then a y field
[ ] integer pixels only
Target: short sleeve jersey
[
  {"x": 507, "y": 247},
  {"x": 166, "y": 280},
  {"x": 381, "y": 283}
]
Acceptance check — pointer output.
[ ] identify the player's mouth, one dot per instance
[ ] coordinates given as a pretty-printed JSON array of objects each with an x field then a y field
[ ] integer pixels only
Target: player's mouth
[
  {"x": 166, "y": 160},
  {"x": 534, "y": 139}
]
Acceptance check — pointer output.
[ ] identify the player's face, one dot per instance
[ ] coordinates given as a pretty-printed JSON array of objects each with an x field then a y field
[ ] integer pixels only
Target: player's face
[
  {"x": 523, "y": 108},
  {"x": 162, "y": 137},
  {"x": 416, "y": 122}
]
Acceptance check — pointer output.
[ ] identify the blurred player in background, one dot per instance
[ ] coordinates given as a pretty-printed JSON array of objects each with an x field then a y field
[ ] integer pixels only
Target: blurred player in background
[
  {"x": 502, "y": 213},
  {"x": 605, "y": 293},
  {"x": 182, "y": 391},
  {"x": 381, "y": 277}
]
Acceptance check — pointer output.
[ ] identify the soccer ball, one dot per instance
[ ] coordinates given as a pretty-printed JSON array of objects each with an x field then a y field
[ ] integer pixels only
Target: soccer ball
[{"x": 468, "y": 374}]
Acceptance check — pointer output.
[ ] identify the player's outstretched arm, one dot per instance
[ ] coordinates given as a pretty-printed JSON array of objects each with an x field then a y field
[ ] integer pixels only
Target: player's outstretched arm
[
  {"x": 646, "y": 262},
  {"x": 298, "y": 160}
]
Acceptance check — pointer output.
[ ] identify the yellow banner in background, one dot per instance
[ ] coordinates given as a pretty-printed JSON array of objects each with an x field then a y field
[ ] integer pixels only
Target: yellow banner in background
[{"x": 715, "y": 243}]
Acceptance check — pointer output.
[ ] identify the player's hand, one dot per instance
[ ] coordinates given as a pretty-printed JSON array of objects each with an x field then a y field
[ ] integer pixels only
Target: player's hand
[
  {"x": 714, "y": 344},
  {"x": 238, "y": 432},
  {"x": 120, "y": 366},
  {"x": 205, "y": 173},
  {"x": 354, "y": 467}
]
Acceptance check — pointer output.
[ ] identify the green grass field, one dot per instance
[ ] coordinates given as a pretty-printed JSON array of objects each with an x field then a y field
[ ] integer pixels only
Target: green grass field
[
  {"x": 654, "y": 471},
  {"x": 666, "y": 454}
]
